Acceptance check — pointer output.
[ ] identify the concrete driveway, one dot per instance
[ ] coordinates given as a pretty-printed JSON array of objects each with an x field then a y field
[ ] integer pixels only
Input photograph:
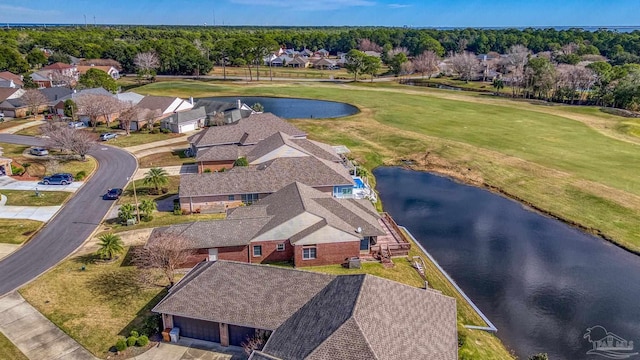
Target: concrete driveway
[
  {"x": 34, "y": 334},
  {"x": 187, "y": 349},
  {"x": 8, "y": 183},
  {"x": 38, "y": 213}
]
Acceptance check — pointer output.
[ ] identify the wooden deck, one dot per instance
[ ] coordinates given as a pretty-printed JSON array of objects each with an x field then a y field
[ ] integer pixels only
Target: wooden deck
[{"x": 393, "y": 243}]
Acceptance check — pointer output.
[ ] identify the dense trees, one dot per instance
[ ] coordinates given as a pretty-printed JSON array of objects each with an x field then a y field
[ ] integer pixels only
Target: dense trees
[{"x": 94, "y": 78}]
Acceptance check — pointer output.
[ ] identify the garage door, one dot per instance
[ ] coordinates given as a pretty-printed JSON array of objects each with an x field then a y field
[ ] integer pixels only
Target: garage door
[
  {"x": 187, "y": 127},
  {"x": 197, "y": 329},
  {"x": 239, "y": 334}
]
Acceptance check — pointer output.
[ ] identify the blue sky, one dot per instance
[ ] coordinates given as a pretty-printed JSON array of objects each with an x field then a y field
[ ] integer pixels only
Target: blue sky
[{"x": 415, "y": 13}]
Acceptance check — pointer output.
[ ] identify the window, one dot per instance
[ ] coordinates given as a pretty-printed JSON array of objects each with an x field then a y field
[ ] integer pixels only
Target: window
[
  {"x": 280, "y": 247},
  {"x": 232, "y": 197},
  {"x": 309, "y": 253},
  {"x": 249, "y": 198},
  {"x": 257, "y": 250}
]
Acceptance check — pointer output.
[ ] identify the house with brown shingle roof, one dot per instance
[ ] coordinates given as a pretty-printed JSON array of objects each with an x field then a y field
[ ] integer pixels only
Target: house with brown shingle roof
[
  {"x": 309, "y": 315},
  {"x": 110, "y": 70},
  {"x": 297, "y": 223},
  {"x": 219, "y": 147},
  {"x": 11, "y": 80}
]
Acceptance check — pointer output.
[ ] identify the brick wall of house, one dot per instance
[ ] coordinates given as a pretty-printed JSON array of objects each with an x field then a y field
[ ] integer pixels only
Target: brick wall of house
[
  {"x": 234, "y": 253},
  {"x": 215, "y": 165},
  {"x": 270, "y": 252},
  {"x": 328, "y": 254}
]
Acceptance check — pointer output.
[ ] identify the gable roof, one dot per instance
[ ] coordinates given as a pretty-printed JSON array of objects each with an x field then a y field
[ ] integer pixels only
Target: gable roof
[
  {"x": 56, "y": 93},
  {"x": 267, "y": 177},
  {"x": 41, "y": 76},
  {"x": 82, "y": 69},
  {"x": 246, "y": 131},
  {"x": 214, "y": 106},
  {"x": 319, "y": 316},
  {"x": 130, "y": 96},
  {"x": 185, "y": 117},
  {"x": 304, "y": 146},
  {"x": 58, "y": 66},
  {"x": 161, "y": 103},
  {"x": 246, "y": 295},
  {"x": 346, "y": 321},
  {"x": 8, "y": 75},
  {"x": 9, "y": 93}
]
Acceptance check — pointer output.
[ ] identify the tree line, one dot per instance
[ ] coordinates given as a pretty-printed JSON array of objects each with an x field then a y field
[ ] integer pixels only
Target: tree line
[{"x": 194, "y": 50}]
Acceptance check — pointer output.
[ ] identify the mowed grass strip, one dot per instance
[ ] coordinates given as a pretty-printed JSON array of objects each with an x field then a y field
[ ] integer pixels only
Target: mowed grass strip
[
  {"x": 530, "y": 151},
  {"x": 97, "y": 305},
  {"x": 29, "y": 198},
  {"x": 17, "y": 231},
  {"x": 10, "y": 351},
  {"x": 168, "y": 158}
]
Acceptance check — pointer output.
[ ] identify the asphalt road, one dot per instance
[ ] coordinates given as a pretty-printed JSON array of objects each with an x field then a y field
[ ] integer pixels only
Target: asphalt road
[{"x": 75, "y": 221}]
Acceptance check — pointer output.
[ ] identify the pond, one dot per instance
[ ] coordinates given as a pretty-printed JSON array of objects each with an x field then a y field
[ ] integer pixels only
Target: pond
[
  {"x": 292, "y": 108},
  {"x": 540, "y": 281}
]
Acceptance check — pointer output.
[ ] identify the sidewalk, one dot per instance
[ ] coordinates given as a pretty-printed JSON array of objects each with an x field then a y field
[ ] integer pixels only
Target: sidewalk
[
  {"x": 34, "y": 334},
  {"x": 9, "y": 183},
  {"x": 15, "y": 129}
]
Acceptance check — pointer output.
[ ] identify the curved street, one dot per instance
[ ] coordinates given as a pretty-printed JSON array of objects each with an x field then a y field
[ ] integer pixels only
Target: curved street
[{"x": 73, "y": 224}]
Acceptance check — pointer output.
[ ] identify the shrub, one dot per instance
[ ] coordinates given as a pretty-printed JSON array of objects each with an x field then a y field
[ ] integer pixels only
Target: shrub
[
  {"x": 80, "y": 175},
  {"x": 142, "y": 340},
  {"x": 131, "y": 340},
  {"x": 134, "y": 333},
  {"x": 152, "y": 324},
  {"x": 207, "y": 170},
  {"x": 155, "y": 131},
  {"x": 165, "y": 131},
  {"x": 121, "y": 345},
  {"x": 16, "y": 170},
  {"x": 242, "y": 161}
]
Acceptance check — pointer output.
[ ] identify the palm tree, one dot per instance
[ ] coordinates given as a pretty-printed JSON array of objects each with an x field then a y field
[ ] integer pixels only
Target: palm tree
[
  {"x": 126, "y": 212},
  {"x": 156, "y": 177},
  {"x": 147, "y": 206},
  {"x": 110, "y": 245}
]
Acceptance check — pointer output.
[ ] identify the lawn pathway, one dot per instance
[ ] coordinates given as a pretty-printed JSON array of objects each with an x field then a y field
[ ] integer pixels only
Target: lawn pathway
[
  {"x": 34, "y": 334},
  {"x": 15, "y": 129}
]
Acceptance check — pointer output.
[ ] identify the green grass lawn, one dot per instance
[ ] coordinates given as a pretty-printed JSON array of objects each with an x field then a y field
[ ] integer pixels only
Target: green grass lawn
[
  {"x": 14, "y": 231},
  {"x": 30, "y": 131},
  {"x": 39, "y": 166},
  {"x": 569, "y": 161},
  {"x": 169, "y": 158},
  {"x": 97, "y": 305},
  {"x": 29, "y": 198},
  {"x": 10, "y": 351},
  {"x": 139, "y": 138},
  {"x": 144, "y": 192},
  {"x": 12, "y": 123}
]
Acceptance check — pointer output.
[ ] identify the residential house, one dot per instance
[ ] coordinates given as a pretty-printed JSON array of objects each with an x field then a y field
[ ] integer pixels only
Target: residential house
[
  {"x": 297, "y": 223},
  {"x": 282, "y": 60},
  {"x": 58, "y": 103},
  {"x": 43, "y": 80},
  {"x": 322, "y": 53},
  {"x": 324, "y": 63},
  {"x": 64, "y": 69},
  {"x": 306, "y": 53},
  {"x": 10, "y": 80},
  {"x": 110, "y": 70},
  {"x": 129, "y": 97},
  {"x": 10, "y": 103},
  {"x": 214, "y": 192},
  {"x": 185, "y": 121},
  {"x": 57, "y": 74},
  {"x": 244, "y": 132},
  {"x": 309, "y": 315},
  {"x": 161, "y": 106},
  {"x": 299, "y": 62},
  {"x": 223, "y": 112}
]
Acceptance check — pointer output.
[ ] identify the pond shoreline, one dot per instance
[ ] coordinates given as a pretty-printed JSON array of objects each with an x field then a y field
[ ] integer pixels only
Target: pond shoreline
[{"x": 479, "y": 183}]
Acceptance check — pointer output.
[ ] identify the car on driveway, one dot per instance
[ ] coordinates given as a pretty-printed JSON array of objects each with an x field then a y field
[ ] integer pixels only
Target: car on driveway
[
  {"x": 58, "y": 179},
  {"x": 112, "y": 194},
  {"x": 108, "y": 136},
  {"x": 76, "y": 124},
  {"x": 38, "y": 151}
]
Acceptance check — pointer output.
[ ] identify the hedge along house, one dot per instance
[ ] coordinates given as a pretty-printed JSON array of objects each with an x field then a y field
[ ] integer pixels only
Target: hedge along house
[
  {"x": 220, "y": 146},
  {"x": 298, "y": 223},
  {"x": 310, "y": 315}
]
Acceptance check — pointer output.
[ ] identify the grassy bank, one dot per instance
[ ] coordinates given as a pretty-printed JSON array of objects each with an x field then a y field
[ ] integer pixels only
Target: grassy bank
[
  {"x": 97, "y": 305},
  {"x": 14, "y": 231},
  {"x": 29, "y": 198},
  {"x": 572, "y": 162}
]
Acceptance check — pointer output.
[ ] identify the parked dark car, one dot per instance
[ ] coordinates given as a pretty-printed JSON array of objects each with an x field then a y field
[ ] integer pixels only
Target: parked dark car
[
  {"x": 112, "y": 194},
  {"x": 39, "y": 151},
  {"x": 107, "y": 136},
  {"x": 58, "y": 179}
]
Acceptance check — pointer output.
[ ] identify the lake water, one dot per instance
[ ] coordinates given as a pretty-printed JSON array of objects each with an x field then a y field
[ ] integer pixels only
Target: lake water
[
  {"x": 292, "y": 108},
  {"x": 540, "y": 281}
]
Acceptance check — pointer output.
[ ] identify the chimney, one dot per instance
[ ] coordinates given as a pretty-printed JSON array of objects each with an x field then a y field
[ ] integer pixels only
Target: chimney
[{"x": 239, "y": 104}]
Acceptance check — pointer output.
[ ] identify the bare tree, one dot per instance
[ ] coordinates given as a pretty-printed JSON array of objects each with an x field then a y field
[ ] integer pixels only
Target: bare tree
[
  {"x": 573, "y": 81},
  {"x": 147, "y": 63},
  {"x": 95, "y": 106},
  {"x": 60, "y": 78},
  {"x": 513, "y": 64},
  {"x": 82, "y": 142},
  {"x": 426, "y": 63},
  {"x": 34, "y": 99},
  {"x": 395, "y": 51},
  {"x": 368, "y": 45},
  {"x": 407, "y": 68},
  {"x": 127, "y": 115},
  {"x": 465, "y": 65},
  {"x": 166, "y": 251}
]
